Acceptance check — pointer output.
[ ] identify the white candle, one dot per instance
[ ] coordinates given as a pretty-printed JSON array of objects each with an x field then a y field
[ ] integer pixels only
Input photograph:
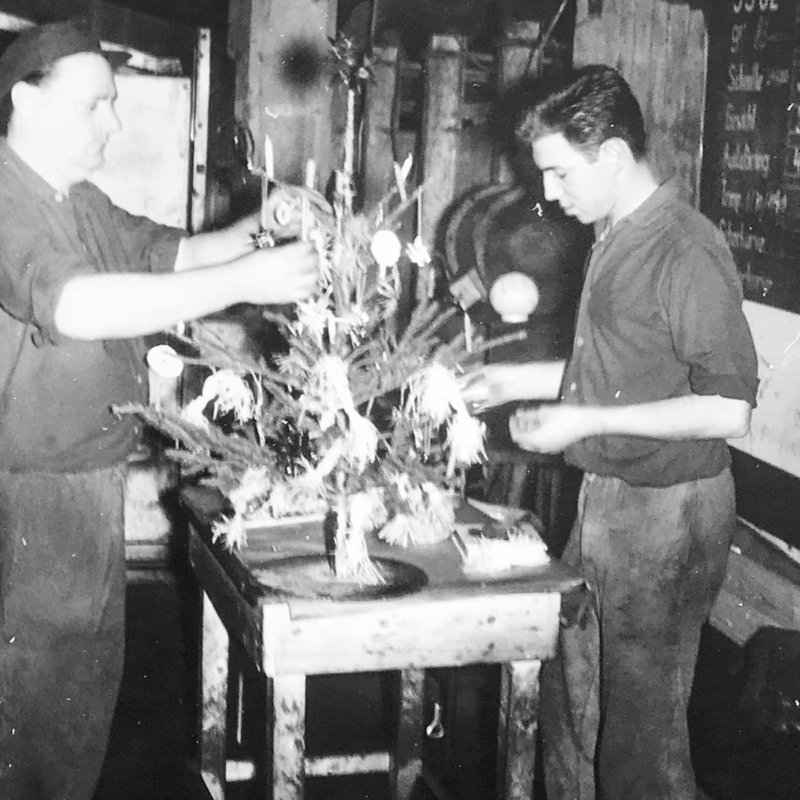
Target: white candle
[
  {"x": 311, "y": 174},
  {"x": 349, "y": 136},
  {"x": 305, "y": 219},
  {"x": 406, "y": 168},
  {"x": 269, "y": 159},
  {"x": 400, "y": 181},
  {"x": 164, "y": 371}
]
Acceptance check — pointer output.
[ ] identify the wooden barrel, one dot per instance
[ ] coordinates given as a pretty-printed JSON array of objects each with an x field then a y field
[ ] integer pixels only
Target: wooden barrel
[{"x": 495, "y": 229}]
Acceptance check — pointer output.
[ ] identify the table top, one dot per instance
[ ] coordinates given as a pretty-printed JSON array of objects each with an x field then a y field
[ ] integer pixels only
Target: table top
[
  {"x": 454, "y": 618},
  {"x": 440, "y": 562}
]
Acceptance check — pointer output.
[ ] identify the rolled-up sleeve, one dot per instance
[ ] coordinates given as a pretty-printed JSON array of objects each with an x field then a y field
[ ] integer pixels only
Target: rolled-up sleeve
[
  {"x": 710, "y": 331},
  {"x": 33, "y": 271},
  {"x": 141, "y": 244},
  {"x": 85, "y": 235}
]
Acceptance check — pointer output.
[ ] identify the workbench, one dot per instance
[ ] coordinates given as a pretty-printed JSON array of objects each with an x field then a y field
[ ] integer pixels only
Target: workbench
[{"x": 452, "y": 620}]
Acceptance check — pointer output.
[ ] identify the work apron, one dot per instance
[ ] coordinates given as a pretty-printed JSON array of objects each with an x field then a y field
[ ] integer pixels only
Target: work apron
[{"x": 62, "y": 604}]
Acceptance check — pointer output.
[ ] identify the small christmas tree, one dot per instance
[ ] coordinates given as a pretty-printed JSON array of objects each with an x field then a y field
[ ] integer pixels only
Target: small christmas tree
[{"x": 360, "y": 415}]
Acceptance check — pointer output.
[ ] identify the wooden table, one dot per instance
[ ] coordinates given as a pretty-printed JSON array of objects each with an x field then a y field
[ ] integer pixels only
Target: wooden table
[{"x": 453, "y": 620}]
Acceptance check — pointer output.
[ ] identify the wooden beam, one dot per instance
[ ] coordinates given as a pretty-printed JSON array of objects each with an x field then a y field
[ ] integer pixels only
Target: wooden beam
[
  {"x": 380, "y": 122},
  {"x": 441, "y": 126},
  {"x": 389, "y": 635},
  {"x": 40, "y": 11},
  {"x": 514, "y": 63},
  {"x": 189, "y": 12},
  {"x": 144, "y": 32}
]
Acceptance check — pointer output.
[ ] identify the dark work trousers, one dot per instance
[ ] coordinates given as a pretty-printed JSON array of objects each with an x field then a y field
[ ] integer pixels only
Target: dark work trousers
[
  {"x": 62, "y": 603},
  {"x": 614, "y": 699}
]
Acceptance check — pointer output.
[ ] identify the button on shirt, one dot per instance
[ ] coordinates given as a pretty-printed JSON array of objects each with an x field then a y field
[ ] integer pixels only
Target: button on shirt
[
  {"x": 660, "y": 317},
  {"x": 56, "y": 393}
]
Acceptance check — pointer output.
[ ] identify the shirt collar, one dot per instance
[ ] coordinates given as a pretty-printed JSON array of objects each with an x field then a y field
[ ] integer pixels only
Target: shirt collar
[
  {"x": 32, "y": 179},
  {"x": 651, "y": 210}
]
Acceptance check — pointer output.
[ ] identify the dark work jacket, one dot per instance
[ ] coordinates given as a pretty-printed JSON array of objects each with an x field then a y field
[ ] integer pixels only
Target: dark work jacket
[{"x": 56, "y": 393}]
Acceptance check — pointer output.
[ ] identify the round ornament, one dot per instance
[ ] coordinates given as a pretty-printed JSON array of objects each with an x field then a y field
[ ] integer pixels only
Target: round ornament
[
  {"x": 386, "y": 248},
  {"x": 514, "y": 296},
  {"x": 164, "y": 361}
]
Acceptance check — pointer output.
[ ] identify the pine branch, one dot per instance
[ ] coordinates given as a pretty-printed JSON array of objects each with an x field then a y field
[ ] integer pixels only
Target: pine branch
[{"x": 211, "y": 442}]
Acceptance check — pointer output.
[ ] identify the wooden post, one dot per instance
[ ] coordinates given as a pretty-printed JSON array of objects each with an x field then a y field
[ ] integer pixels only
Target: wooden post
[
  {"x": 202, "y": 90},
  {"x": 406, "y": 766},
  {"x": 516, "y": 746},
  {"x": 441, "y": 124},
  {"x": 514, "y": 62},
  {"x": 214, "y": 701},
  {"x": 380, "y": 120},
  {"x": 288, "y": 738},
  {"x": 266, "y": 39}
]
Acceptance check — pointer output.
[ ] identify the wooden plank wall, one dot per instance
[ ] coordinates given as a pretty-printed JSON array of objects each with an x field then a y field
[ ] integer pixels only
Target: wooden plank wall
[
  {"x": 261, "y": 35},
  {"x": 660, "y": 48}
]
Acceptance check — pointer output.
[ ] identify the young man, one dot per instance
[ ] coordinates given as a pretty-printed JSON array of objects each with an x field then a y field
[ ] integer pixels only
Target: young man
[
  {"x": 663, "y": 371},
  {"x": 80, "y": 281}
]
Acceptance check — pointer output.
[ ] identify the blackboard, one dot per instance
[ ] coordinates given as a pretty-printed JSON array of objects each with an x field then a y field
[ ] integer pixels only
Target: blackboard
[{"x": 750, "y": 183}]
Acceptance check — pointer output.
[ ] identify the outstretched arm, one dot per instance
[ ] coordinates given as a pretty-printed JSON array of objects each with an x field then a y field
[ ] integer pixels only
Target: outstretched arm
[
  {"x": 550, "y": 429},
  {"x": 212, "y": 271},
  {"x": 496, "y": 384},
  {"x": 283, "y": 215},
  {"x": 122, "y": 305}
]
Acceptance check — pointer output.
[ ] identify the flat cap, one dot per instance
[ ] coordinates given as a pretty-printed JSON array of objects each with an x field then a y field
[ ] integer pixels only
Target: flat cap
[{"x": 38, "y": 47}]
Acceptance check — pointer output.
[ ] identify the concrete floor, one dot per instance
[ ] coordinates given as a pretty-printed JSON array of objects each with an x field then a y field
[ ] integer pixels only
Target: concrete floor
[{"x": 152, "y": 748}]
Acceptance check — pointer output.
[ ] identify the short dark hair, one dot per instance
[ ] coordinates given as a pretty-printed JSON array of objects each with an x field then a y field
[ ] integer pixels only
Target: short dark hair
[{"x": 587, "y": 106}]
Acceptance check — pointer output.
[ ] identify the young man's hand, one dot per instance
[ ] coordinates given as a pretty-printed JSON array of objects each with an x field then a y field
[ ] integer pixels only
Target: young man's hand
[
  {"x": 551, "y": 428},
  {"x": 491, "y": 385}
]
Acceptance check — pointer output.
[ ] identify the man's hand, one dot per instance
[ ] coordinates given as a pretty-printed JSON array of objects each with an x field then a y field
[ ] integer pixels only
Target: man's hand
[
  {"x": 497, "y": 384},
  {"x": 551, "y": 428},
  {"x": 489, "y": 386},
  {"x": 284, "y": 274}
]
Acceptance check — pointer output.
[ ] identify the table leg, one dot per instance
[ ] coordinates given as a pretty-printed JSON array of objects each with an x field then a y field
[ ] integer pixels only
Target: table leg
[
  {"x": 406, "y": 764},
  {"x": 288, "y": 707},
  {"x": 214, "y": 701},
  {"x": 516, "y": 746}
]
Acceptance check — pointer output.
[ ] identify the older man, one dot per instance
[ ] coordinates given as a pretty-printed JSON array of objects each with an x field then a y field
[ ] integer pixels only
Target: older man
[
  {"x": 80, "y": 281},
  {"x": 663, "y": 371}
]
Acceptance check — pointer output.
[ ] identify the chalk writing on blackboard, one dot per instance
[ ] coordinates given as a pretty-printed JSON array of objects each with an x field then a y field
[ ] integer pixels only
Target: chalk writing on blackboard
[{"x": 751, "y": 165}]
